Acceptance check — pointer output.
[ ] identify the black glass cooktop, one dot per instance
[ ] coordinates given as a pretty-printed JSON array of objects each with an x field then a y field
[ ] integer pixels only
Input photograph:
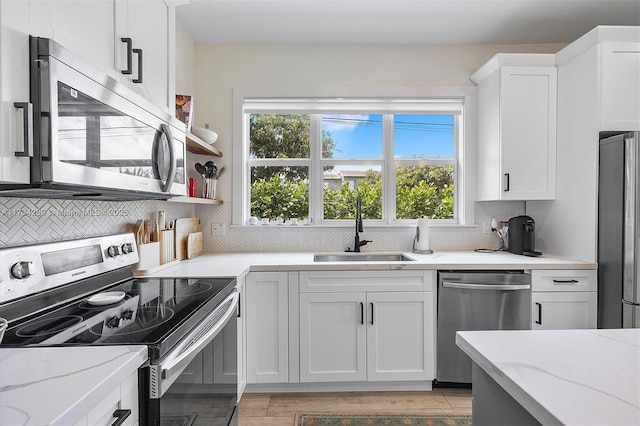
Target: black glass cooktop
[{"x": 153, "y": 312}]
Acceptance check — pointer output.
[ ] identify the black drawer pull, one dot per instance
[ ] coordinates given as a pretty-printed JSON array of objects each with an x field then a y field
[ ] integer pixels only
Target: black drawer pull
[
  {"x": 121, "y": 416},
  {"x": 565, "y": 281},
  {"x": 539, "y": 320},
  {"x": 139, "y": 53},
  {"x": 27, "y": 125},
  {"x": 129, "y": 55}
]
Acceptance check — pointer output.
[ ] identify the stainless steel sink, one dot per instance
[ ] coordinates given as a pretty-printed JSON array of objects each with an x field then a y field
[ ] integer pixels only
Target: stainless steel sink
[{"x": 362, "y": 257}]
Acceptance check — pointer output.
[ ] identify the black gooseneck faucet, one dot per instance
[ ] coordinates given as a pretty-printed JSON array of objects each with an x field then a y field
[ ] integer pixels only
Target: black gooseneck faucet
[{"x": 359, "y": 228}]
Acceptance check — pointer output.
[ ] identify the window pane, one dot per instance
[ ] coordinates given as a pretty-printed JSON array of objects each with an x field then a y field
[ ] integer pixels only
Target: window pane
[
  {"x": 423, "y": 136},
  {"x": 279, "y": 192},
  {"x": 279, "y": 136},
  {"x": 424, "y": 190},
  {"x": 342, "y": 184},
  {"x": 351, "y": 136}
]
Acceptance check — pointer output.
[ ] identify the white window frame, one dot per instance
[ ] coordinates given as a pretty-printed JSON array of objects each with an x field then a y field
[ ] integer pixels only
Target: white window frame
[{"x": 465, "y": 152}]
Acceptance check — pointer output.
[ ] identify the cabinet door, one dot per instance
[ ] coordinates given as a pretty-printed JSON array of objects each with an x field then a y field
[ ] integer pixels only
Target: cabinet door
[
  {"x": 528, "y": 132},
  {"x": 400, "y": 336},
  {"x": 88, "y": 29},
  {"x": 242, "y": 338},
  {"x": 620, "y": 86},
  {"x": 14, "y": 87},
  {"x": 267, "y": 327},
  {"x": 151, "y": 27},
  {"x": 123, "y": 397},
  {"x": 568, "y": 310},
  {"x": 332, "y": 337}
]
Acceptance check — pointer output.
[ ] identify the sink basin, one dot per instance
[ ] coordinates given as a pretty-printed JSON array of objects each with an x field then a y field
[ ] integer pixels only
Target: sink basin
[{"x": 362, "y": 257}]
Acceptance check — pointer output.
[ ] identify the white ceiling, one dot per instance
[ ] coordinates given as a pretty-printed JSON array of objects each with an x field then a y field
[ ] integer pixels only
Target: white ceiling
[{"x": 400, "y": 21}]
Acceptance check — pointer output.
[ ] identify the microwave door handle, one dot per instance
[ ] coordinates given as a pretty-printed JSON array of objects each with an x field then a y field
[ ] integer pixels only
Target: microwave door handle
[
  {"x": 172, "y": 158},
  {"x": 27, "y": 111}
]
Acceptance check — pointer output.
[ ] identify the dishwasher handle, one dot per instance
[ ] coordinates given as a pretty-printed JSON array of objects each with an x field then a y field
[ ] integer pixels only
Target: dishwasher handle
[{"x": 474, "y": 286}]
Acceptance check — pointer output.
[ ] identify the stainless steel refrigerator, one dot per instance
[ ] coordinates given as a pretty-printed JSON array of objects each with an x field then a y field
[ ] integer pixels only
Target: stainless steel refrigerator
[{"x": 618, "y": 225}]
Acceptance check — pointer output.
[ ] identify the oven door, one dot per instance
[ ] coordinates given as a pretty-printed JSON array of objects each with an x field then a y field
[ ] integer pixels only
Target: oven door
[{"x": 166, "y": 395}]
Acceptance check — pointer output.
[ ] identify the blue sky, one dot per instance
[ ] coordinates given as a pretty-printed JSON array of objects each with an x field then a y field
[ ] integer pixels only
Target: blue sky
[{"x": 359, "y": 136}]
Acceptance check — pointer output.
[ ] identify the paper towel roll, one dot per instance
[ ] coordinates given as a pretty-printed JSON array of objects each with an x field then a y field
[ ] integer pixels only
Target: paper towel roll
[{"x": 422, "y": 235}]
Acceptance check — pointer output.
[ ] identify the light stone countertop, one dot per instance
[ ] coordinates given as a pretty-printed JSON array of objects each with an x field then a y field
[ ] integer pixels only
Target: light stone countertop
[
  {"x": 571, "y": 377},
  {"x": 239, "y": 264},
  {"x": 59, "y": 385}
]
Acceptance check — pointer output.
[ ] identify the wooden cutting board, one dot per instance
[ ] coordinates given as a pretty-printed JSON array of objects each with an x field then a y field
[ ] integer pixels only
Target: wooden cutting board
[
  {"x": 183, "y": 227},
  {"x": 195, "y": 246}
]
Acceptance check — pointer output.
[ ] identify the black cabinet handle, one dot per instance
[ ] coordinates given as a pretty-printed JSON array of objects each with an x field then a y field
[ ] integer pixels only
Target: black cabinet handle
[
  {"x": 27, "y": 123},
  {"x": 506, "y": 183},
  {"x": 139, "y": 53},
  {"x": 361, "y": 313},
  {"x": 129, "y": 55},
  {"x": 371, "y": 313},
  {"x": 121, "y": 416},
  {"x": 565, "y": 281},
  {"x": 539, "y": 320},
  {"x": 239, "y": 305}
]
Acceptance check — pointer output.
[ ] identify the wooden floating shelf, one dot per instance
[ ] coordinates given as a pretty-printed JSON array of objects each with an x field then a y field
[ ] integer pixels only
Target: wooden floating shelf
[
  {"x": 195, "y": 200},
  {"x": 198, "y": 146}
]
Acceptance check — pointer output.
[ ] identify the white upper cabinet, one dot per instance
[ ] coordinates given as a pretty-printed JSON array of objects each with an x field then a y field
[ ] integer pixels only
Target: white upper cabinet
[
  {"x": 93, "y": 30},
  {"x": 620, "y": 86},
  {"x": 150, "y": 25},
  {"x": 517, "y": 127},
  {"x": 14, "y": 87},
  {"x": 85, "y": 28}
]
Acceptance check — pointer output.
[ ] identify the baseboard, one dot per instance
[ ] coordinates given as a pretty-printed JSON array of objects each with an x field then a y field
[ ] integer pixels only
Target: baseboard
[{"x": 338, "y": 387}]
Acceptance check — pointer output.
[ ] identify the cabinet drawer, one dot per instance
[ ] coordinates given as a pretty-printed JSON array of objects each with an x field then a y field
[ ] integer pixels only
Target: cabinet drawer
[
  {"x": 347, "y": 281},
  {"x": 564, "y": 280}
]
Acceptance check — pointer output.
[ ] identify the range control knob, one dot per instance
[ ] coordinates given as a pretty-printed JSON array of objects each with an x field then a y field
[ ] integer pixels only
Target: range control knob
[
  {"x": 127, "y": 248},
  {"x": 113, "y": 251},
  {"x": 22, "y": 270}
]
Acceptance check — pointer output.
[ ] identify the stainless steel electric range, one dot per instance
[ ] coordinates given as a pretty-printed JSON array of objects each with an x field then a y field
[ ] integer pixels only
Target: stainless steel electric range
[{"x": 82, "y": 292}]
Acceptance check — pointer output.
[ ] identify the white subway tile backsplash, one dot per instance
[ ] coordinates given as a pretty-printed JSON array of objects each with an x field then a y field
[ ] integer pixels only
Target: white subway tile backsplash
[
  {"x": 28, "y": 221},
  {"x": 32, "y": 220}
]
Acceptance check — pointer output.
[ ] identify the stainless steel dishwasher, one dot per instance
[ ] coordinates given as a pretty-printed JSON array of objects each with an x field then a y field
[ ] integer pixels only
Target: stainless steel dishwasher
[{"x": 482, "y": 300}]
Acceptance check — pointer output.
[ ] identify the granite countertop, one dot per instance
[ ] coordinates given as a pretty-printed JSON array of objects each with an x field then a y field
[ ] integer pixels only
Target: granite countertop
[
  {"x": 572, "y": 377},
  {"x": 59, "y": 385},
  {"x": 239, "y": 264}
]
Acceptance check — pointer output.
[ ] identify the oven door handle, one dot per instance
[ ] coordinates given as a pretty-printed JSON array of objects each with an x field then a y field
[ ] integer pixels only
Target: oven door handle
[{"x": 184, "y": 353}]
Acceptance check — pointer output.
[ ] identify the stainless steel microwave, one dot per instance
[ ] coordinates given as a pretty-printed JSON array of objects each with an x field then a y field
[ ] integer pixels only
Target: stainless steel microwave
[{"x": 94, "y": 138}]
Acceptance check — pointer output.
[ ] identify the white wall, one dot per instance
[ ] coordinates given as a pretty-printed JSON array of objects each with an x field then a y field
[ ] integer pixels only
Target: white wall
[
  {"x": 220, "y": 68},
  {"x": 185, "y": 62}
]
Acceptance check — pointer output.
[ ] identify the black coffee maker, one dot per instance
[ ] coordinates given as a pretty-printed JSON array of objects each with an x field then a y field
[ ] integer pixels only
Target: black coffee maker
[{"x": 522, "y": 236}]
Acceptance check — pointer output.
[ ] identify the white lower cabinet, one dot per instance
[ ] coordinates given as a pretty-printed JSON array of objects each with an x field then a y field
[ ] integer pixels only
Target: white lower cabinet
[
  {"x": 564, "y": 299},
  {"x": 381, "y": 335},
  {"x": 333, "y": 341},
  {"x": 267, "y": 316},
  {"x": 123, "y": 397},
  {"x": 366, "y": 336}
]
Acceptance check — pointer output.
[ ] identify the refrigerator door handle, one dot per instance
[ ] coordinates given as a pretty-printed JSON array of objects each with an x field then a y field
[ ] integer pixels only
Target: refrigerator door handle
[{"x": 631, "y": 216}]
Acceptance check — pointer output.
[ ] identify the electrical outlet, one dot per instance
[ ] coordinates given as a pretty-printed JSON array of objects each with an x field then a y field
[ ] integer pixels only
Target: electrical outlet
[{"x": 218, "y": 229}]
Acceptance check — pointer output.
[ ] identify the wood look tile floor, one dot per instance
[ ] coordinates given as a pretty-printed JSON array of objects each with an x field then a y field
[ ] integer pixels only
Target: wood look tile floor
[{"x": 279, "y": 409}]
